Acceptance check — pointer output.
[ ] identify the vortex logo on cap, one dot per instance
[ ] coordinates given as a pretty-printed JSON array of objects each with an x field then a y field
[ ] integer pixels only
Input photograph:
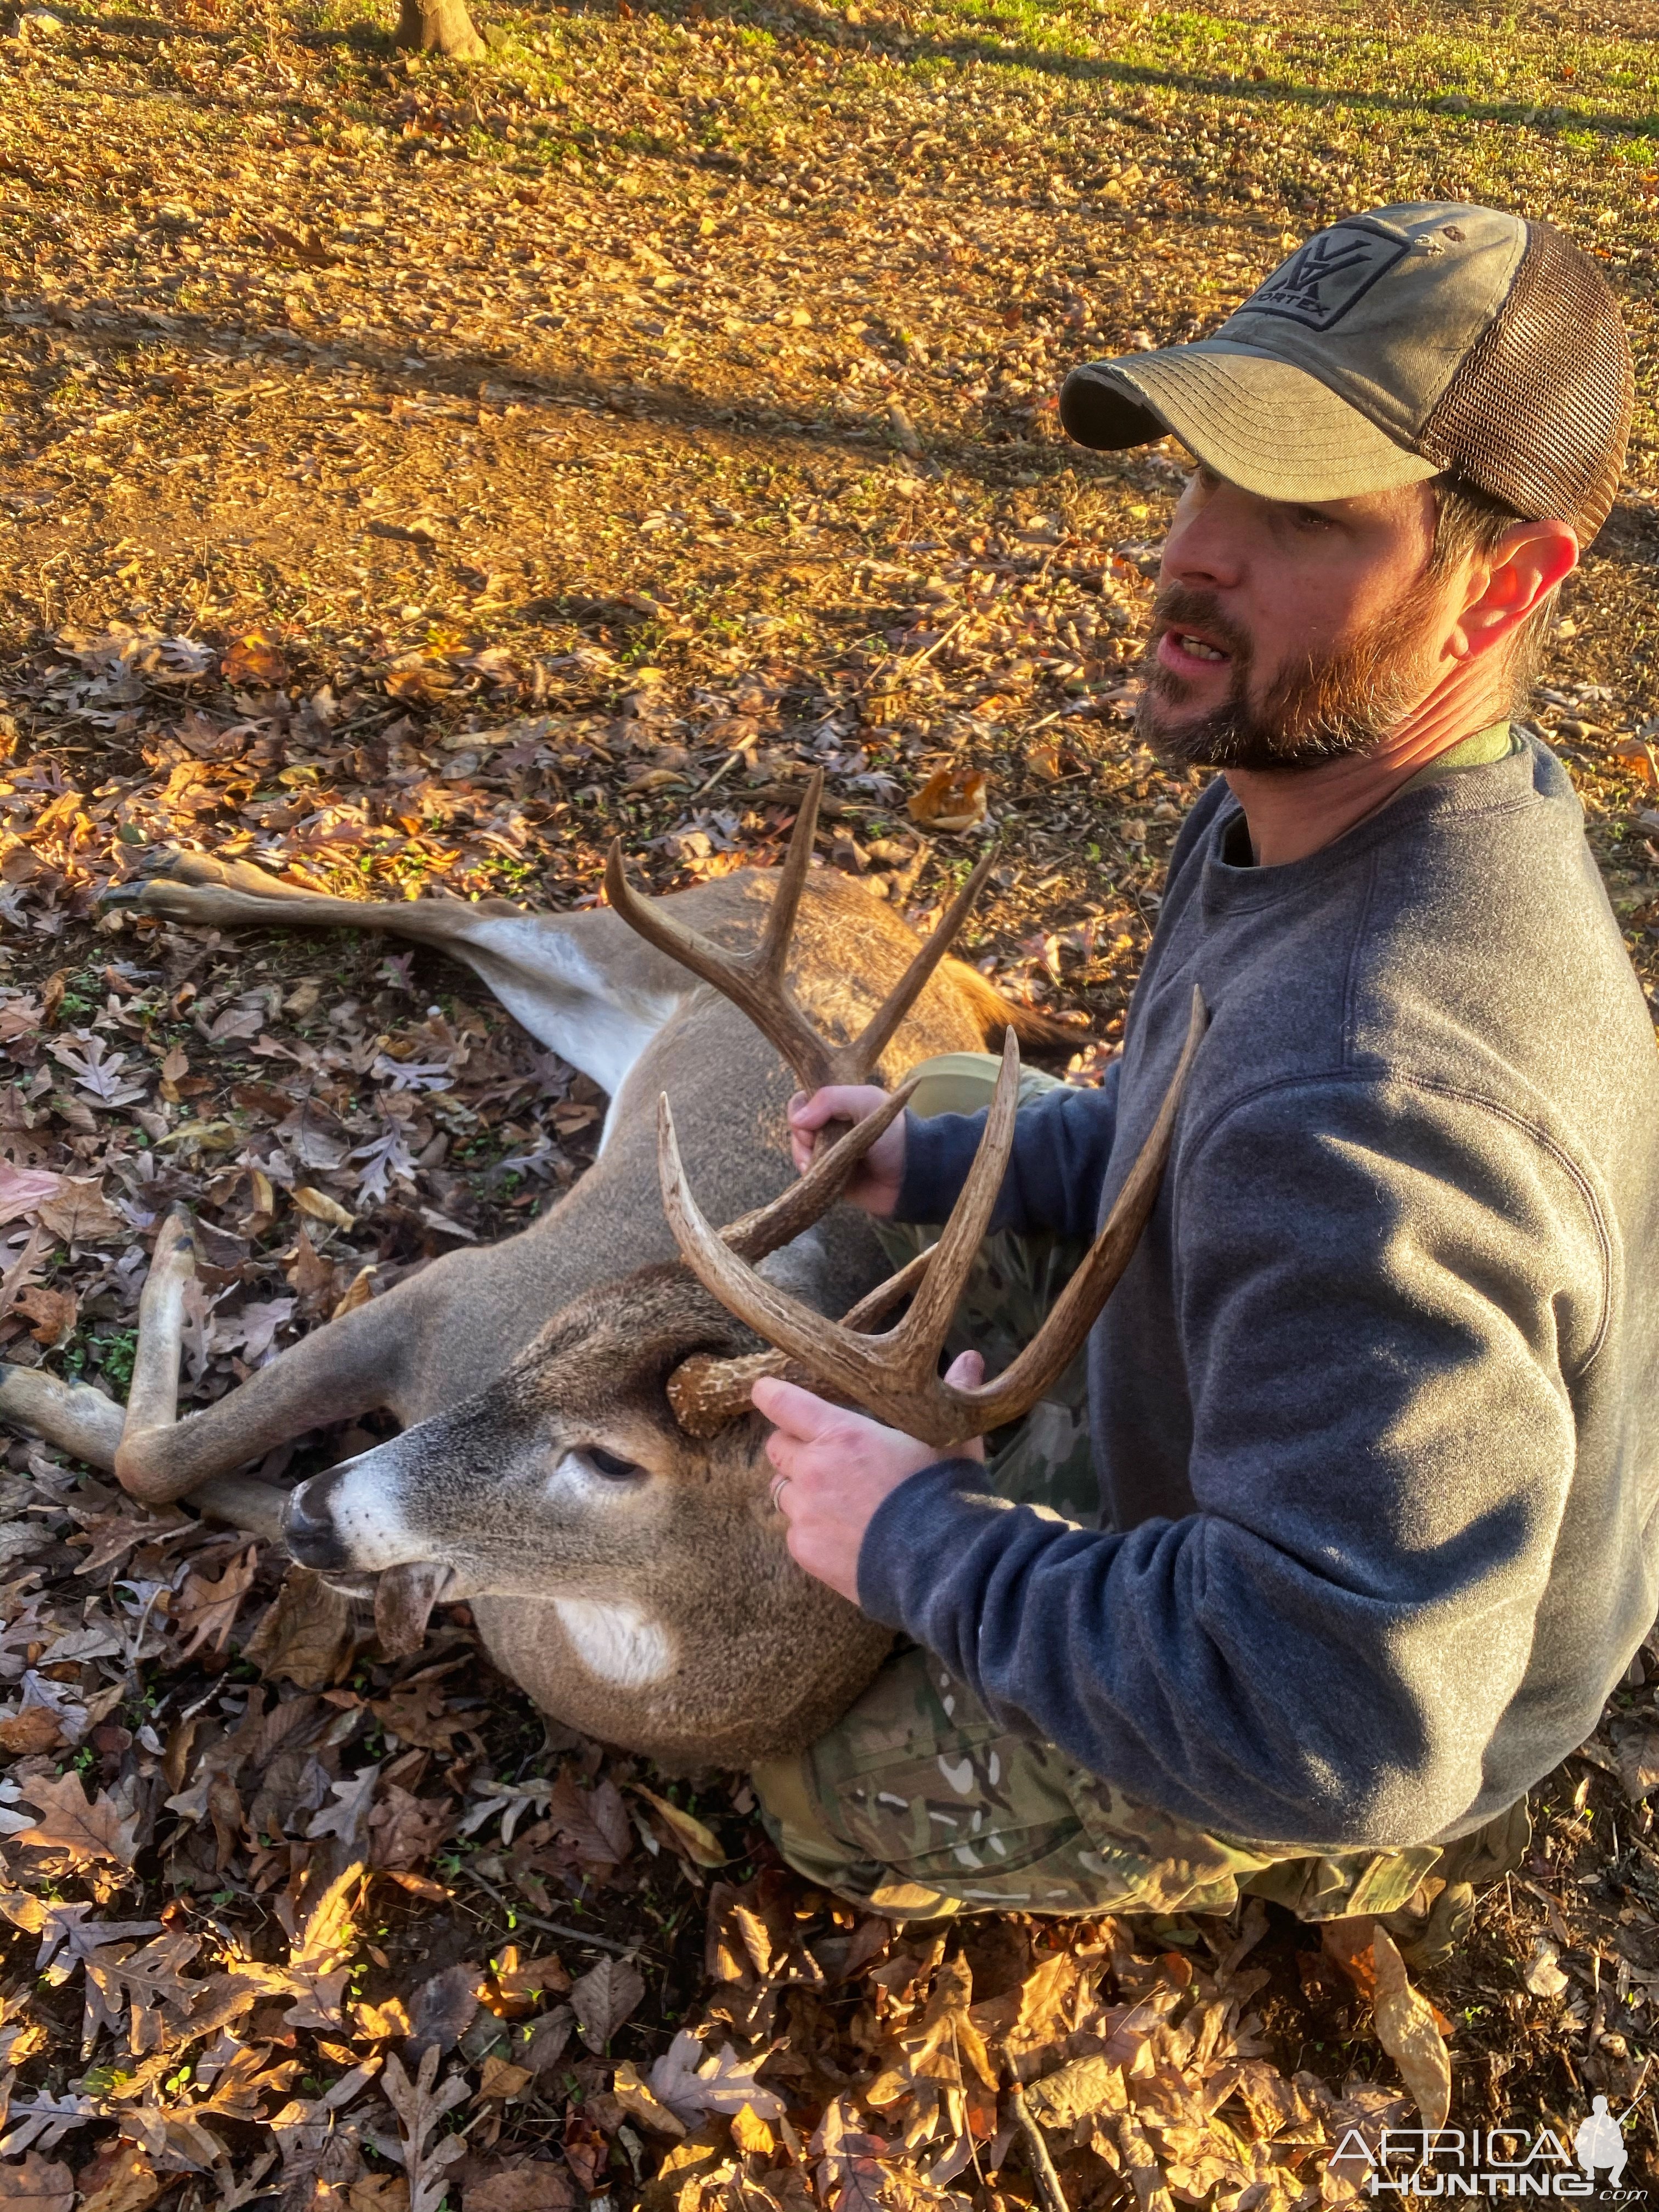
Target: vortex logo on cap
[{"x": 1322, "y": 280}]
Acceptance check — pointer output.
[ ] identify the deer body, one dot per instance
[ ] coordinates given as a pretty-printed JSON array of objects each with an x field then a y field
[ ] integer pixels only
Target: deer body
[{"x": 632, "y": 1578}]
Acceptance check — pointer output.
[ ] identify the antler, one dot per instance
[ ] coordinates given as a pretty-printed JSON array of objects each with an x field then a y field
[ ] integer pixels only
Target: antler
[
  {"x": 895, "y": 1375},
  {"x": 755, "y": 980}
]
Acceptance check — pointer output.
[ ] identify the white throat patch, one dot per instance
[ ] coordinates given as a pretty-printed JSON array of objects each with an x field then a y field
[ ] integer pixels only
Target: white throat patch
[{"x": 615, "y": 1641}]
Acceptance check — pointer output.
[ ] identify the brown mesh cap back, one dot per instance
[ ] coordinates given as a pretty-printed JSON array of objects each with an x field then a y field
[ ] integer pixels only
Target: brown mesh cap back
[{"x": 1538, "y": 413}]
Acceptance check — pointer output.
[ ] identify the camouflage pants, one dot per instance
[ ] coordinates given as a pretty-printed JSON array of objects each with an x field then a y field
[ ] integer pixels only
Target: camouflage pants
[{"x": 918, "y": 1803}]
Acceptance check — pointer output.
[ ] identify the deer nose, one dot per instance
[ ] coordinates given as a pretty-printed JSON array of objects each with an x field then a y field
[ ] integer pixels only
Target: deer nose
[{"x": 308, "y": 1526}]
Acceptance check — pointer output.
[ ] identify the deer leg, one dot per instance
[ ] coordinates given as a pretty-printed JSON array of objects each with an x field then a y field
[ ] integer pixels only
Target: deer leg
[
  {"x": 196, "y": 887},
  {"x": 84, "y": 1423},
  {"x": 152, "y": 1401},
  {"x": 337, "y": 1372},
  {"x": 550, "y": 971}
]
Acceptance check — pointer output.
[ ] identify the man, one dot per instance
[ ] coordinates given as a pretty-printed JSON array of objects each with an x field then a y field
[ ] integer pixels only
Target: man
[{"x": 1370, "y": 1411}]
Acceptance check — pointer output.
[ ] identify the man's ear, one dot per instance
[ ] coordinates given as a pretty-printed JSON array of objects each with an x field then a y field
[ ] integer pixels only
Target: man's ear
[{"x": 1509, "y": 582}]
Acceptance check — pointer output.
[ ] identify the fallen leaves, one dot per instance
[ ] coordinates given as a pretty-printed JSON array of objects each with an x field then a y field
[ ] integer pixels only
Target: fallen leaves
[
  {"x": 1406, "y": 2030},
  {"x": 74, "y": 1828},
  {"x": 306, "y": 1635},
  {"x": 207, "y": 1604},
  {"x": 952, "y": 798},
  {"x": 36, "y": 2185},
  {"x": 604, "y": 1998},
  {"x": 419, "y": 2107},
  {"x": 254, "y": 660},
  {"x": 79, "y": 1213}
]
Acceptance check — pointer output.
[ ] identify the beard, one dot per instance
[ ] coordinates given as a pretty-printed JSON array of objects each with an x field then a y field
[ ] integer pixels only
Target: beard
[{"x": 1316, "y": 709}]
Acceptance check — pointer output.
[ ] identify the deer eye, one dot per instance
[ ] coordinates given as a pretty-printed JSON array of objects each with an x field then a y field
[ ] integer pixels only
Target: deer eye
[{"x": 608, "y": 1463}]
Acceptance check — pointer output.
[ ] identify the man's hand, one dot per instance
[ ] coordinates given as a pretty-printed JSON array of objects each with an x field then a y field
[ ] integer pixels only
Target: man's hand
[
  {"x": 835, "y": 1468},
  {"x": 875, "y": 1185}
]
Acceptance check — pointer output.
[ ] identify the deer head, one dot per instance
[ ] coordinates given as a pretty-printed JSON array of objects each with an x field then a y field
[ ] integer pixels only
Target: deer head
[{"x": 634, "y": 1577}]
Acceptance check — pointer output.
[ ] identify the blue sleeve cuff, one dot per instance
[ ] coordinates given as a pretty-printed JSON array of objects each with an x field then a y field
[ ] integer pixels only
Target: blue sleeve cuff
[{"x": 913, "y": 1536}]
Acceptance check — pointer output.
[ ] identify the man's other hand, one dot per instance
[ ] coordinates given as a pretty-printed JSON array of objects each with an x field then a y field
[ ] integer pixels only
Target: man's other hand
[
  {"x": 834, "y": 1466},
  {"x": 875, "y": 1185}
]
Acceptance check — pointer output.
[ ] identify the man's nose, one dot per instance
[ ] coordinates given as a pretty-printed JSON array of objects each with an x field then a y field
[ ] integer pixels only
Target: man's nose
[{"x": 1204, "y": 546}]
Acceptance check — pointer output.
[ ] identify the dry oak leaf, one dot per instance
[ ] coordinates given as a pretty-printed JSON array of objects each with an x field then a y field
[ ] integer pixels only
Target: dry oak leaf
[
  {"x": 588, "y": 2152},
  {"x": 693, "y": 2081},
  {"x": 386, "y": 2023},
  {"x": 50, "y": 1314},
  {"x": 606, "y": 1997},
  {"x": 305, "y": 1636},
  {"x": 36, "y": 2185},
  {"x": 1078, "y": 2091},
  {"x": 403, "y": 1829},
  {"x": 376, "y": 2192},
  {"x": 1405, "y": 2029},
  {"x": 952, "y": 799},
  {"x": 943, "y": 2045},
  {"x": 207, "y": 1607},
  {"x": 700, "y": 1844},
  {"x": 638, "y": 2099},
  {"x": 69, "y": 1823},
  {"x": 419, "y": 1714},
  {"x": 500, "y": 2082},
  {"x": 120, "y": 2179},
  {"x": 35, "y": 1729},
  {"x": 79, "y": 1215},
  {"x": 419, "y": 2107},
  {"x": 254, "y": 660},
  {"x": 521, "y": 2184},
  {"x": 519, "y": 1985}
]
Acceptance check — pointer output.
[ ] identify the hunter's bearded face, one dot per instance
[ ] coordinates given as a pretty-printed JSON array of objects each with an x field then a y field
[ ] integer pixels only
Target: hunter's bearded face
[{"x": 1284, "y": 636}]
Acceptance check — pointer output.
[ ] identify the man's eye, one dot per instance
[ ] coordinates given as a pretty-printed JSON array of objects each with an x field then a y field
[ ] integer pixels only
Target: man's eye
[
  {"x": 1309, "y": 518},
  {"x": 604, "y": 1462}
]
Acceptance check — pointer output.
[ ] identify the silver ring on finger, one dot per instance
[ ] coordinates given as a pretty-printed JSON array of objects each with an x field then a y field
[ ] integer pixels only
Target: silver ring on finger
[{"x": 779, "y": 1484}]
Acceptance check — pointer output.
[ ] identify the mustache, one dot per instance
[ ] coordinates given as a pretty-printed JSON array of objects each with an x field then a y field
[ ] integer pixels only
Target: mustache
[{"x": 1183, "y": 606}]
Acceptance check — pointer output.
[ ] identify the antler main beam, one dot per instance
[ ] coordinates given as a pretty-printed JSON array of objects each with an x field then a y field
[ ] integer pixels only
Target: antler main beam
[
  {"x": 895, "y": 1375},
  {"x": 755, "y": 982}
]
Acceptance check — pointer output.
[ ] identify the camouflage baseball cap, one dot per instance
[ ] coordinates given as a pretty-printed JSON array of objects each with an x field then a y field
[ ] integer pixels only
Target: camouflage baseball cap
[{"x": 1395, "y": 346}]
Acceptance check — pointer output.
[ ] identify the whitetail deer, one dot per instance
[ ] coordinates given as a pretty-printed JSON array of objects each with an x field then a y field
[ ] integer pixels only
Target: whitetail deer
[{"x": 577, "y": 1454}]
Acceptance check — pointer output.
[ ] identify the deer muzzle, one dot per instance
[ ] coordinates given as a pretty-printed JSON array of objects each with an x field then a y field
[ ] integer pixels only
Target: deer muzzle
[{"x": 309, "y": 1529}]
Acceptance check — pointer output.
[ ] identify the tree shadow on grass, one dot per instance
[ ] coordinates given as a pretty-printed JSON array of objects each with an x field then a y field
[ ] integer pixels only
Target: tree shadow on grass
[{"x": 1001, "y": 447}]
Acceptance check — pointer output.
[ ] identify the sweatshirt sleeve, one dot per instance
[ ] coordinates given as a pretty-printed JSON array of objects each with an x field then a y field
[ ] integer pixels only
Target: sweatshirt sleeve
[
  {"x": 1056, "y": 1170},
  {"x": 1383, "y": 1292}
]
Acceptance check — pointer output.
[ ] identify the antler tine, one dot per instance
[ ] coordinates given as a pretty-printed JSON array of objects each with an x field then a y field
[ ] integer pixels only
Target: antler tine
[
  {"x": 755, "y": 980},
  {"x": 753, "y": 1235},
  {"x": 774, "y": 952},
  {"x": 1050, "y": 1351},
  {"x": 921, "y": 1334},
  {"x": 891, "y": 1374},
  {"x": 867, "y": 1047},
  {"x": 752, "y": 981},
  {"x": 894, "y": 1375}
]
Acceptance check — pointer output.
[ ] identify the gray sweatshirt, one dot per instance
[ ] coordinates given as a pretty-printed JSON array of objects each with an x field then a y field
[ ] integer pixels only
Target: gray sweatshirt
[{"x": 1376, "y": 1405}]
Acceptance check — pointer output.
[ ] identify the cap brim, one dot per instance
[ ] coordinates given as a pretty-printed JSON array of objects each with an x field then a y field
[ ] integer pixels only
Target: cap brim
[{"x": 1262, "y": 423}]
